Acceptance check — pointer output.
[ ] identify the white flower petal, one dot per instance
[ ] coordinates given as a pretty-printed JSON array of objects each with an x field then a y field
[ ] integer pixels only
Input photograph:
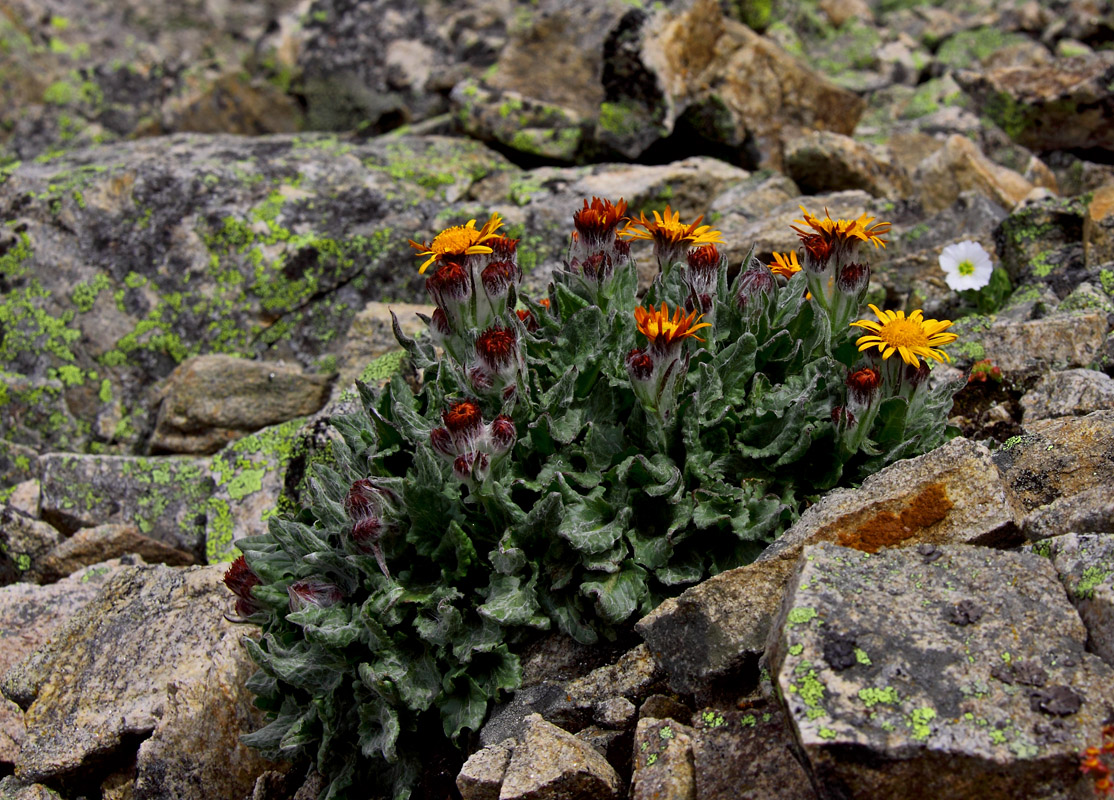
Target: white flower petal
[{"x": 955, "y": 254}]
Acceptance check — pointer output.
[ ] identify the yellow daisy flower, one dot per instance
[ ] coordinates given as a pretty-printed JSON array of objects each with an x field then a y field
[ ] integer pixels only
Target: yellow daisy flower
[
  {"x": 663, "y": 331},
  {"x": 785, "y": 265},
  {"x": 458, "y": 240},
  {"x": 910, "y": 336},
  {"x": 825, "y": 231},
  {"x": 668, "y": 231}
]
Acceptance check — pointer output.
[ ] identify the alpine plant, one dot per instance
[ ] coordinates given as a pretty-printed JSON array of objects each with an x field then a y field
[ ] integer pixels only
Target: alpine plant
[{"x": 567, "y": 463}]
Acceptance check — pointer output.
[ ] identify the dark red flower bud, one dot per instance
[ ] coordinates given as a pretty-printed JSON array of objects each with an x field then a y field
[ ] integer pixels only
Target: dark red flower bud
[
  {"x": 497, "y": 277},
  {"x": 818, "y": 251},
  {"x": 452, "y": 283},
  {"x": 502, "y": 248},
  {"x": 240, "y": 579},
  {"x": 366, "y": 532},
  {"x": 440, "y": 322},
  {"x": 862, "y": 384},
  {"x": 462, "y": 417},
  {"x": 639, "y": 364},
  {"x": 442, "y": 442},
  {"x": 503, "y": 433},
  {"x": 480, "y": 378},
  {"x": 311, "y": 592},
  {"x": 621, "y": 248},
  {"x": 497, "y": 348},
  {"x": 853, "y": 278},
  {"x": 509, "y": 392},
  {"x": 757, "y": 282},
  {"x": 528, "y": 319},
  {"x": 703, "y": 269},
  {"x": 842, "y": 415},
  {"x": 597, "y": 267},
  {"x": 915, "y": 376},
  {"x": 462, "y": 466},
  {"x": 362, "y": 499}
]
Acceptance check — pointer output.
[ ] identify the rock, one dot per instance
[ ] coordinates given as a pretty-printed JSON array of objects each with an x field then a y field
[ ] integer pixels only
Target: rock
[
  {"x": 29, "y": 616},
  {"x": 663, "y": 706},
  {"x": 951, "y": 495},
  {"x": 1033, "y": 347},
  {"x": 370, "y": 336},
  {"x": 633, "y": 676},
  {"x": 960, "y": 166},
  {"x": 717, "y": 77},
  {"x": 840, "y": 11},
  {"x": 520, "y": 122},
  {"x": 747, "y": 755},
  {"x": 1086, "y": 297},
  {"x": 90, "y": 546},
  {"x": 262, "y": 247},
  {"x": 1064, "y": 105},
  {"x": 18, "y": 463},
  {"x": 1088, "y": 511},
  {"x": 615, "y": 713},
  {"x": 663, "y": 764},
  {"x": 151, "y": 658},
  {"x": 551, "y": 764},
  {"x": 249, "y": 478},
  {"x": 482, "y": 774},
  {"x": 717, "y": 626},
  {"x": 1058, "y": 458},
  {"x": 1073, "y": 392},
  {"x": 165, "y": 497},
  {"x": 903, "y": 674},
  {"x": 1098, "y": 228},
  {"x": 1085, "y": 563},
  {"x": 24, "y": 543},
  {"x": 12, "y": 789},
  {"x": 211, "y": 400},
  {"x": 1040, "y": 242},
  {"x": 821, "y": 161},
  {"x": 24, "y": 498}
]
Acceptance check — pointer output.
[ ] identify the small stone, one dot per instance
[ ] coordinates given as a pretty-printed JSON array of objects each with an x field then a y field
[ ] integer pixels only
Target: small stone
[
  {"x": 1073, "y": 392},
  {"x": 551, "y": 764},
  {"x": 614, "y": 713},
  {"x": 663, "y": 764},
  {"x": 1098, "y": 228},
  {"x": 1058, "y": 700},
  {"x": 92, "y": 545},
  {"x": 661, "y": 706},
  {"x": 24, "y": 543},
  {"x": 482, "y": 774}
]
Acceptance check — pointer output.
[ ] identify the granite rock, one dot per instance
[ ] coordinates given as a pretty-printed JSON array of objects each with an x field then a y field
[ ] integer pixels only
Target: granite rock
[
  {"x": 24, "y": 543},
  {"x": 1085, "y": 563},
  {"x": 1088, "y": 511},
  {"x": 90, "y": 546},
  {"x": 551, "y": 764},
  {"x": 1073, "y": 392},
  {"x": 663, "y": 762}
]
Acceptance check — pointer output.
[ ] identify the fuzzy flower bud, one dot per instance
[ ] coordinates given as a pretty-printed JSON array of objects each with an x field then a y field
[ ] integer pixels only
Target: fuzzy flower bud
[
  {"x": 240, "y": 579},
  {"x": 440, "y": 322},
  {"x": 442, "y": 442},
  {"x": 756, "y": 284},
  {"x": 462, "y": 466},
  {"x": 640, "y": 365},
  {"x": 462, "y": 418},
  {"x": 310, "y": 592},
  {"x": 497, "y": 278},
  {"x": 841, "y": 416},
  {"x": 503, "y": 248},
  {"x": 853, "y": 278},
  {"x": 503, "y": 433},
  {"x": 703, "y": 269},
  {"x": 450, "y": 285},
  {"x": 862, "y": 384},
  {"x": 480, "y": 379},
  {"x": 497, "y": 349}
]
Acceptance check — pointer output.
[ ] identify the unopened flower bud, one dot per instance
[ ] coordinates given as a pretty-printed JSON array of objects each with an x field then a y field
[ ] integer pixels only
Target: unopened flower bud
[
  {"x": 503, "y": 433},
  {"x": 480, "y": 379},
  {"x": 240, "y": 579},
  {"x": 863, "y": 383},
  {"x": 915, "y": 376},
  {"x": 452, "y": 283},
  {"x": 528, "y": 319},
  {"x": 462, "y": 466},
  {"x": 509, "y": 392},
  {"x": 639, "y": 364},
  {"x": 462, "y": 418},
  {"x": 497, "y": 278},
  {"x": 853, "y": 278},
  {"x": 841, "y": 415},
  {"x": 497, "y": 349},
  {"x": 440, "y": 322},
  {"x": 503, "y": 248},
  {"x": 310, "y": 592},
  {"x": 621, "y": 248},
  {"x": 442, "y": 442},
  {"x": 703, "y": 269},
  {"x": 366, "y": 532},
  {"x": 757, "y": 283},
  {"x": 597, "y": 267}
]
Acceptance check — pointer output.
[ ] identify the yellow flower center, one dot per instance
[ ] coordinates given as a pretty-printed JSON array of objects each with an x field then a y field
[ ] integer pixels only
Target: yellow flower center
[
  {"x": 966, "y": 268},
  {"x": 903, "y": 333},
  {"x": 454, "y": 240}
]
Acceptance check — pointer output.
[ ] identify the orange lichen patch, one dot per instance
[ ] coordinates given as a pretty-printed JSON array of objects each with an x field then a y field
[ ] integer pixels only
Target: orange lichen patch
[{"x": 886, "y": 529}]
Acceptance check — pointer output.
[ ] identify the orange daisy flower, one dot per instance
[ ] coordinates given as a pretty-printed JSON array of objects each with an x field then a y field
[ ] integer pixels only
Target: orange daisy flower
[
  {"x": 668, "y": 230},
  {"x": 662, "y": 330}
]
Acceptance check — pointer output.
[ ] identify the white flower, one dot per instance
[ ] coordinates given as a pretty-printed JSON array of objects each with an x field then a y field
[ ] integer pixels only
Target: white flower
[{"x": 966, "y": 265}]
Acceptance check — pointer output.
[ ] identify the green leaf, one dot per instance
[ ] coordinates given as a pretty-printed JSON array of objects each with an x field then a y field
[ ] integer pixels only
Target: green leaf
[
  {"x": 329, "y": 627},
  {"x": 465, "y": 707},
  {"x": 498, "y": 670},
  {"x": 456, "y": 554},
  {"x": 510, "y": 601},
  {"x": 657, "y": 476},
  {"x": 618, "y": 596},
  {"x": 378, "y": 729},
  {"x": 591, "y": 524}
]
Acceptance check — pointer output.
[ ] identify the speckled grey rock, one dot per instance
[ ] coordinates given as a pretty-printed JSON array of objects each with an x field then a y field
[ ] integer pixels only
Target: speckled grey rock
[
  {"x": 663, "y": 763},
  {"x": 632, "y": 676},
  {"x": 1059, "y": 458},
  {"x": 151, "y": 657},
  {"x": 953, "y": 494},
  {"x": 13, "y": 789},
  {"x": 1089, "y": 511},
  {"x": 1073, "y": 392},
  {"x": 614, "y": 713},
  {"x": 717, "y": 626},
  {"x": 822, "y": 161},
  {"x": 210, "y": 400},
  {"x": 747, "y": 755},
  {"x": 90, "y": 546},
  {"x": 1061, "y": 341},
  {"x": 552, "y": 764},
  {"x": 29, "y": 615},
  {"x": 906, "y": 674},
  {"x": 24, "y": 543},
  {"x": 1085, "y": 563},
  {"x": 482, "y": 774},
  {"x": 163, "y": 497}
]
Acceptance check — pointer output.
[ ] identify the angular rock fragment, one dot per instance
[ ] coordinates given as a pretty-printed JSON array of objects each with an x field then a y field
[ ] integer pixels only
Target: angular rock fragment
[
  {"x": 1071, "y": 393},
  {"x": 150, "y": 657},
  {"x": 24, "y": 543},
  {"x": 92, "y": 545},
  {"x": 482, "y": 774},
  {"x": 905, "y": 673},
  {"x": 1058, "y": 342},
  {"x": 716, "y": 626},
  {"x": 552, "y": 764},
  {"x": 1089, "y": 511},
  {"x": 663, "y": 763},
  {"x": 961, "y": 166},
  {"x": 822, "y": 161},
  {"x": 1098, "y": 228},
  {"x": 211, "y": 400},
  {"x": 1085, "y": 563},
  {"x": 953, "y": 494}
]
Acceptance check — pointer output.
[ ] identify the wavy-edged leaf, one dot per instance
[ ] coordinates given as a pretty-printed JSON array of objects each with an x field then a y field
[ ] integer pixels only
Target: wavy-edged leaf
[
  {"x": 512, "y": 601},
  {"x": 591, "y": 524},
  {"x": 378, "y": 729},
  {"x": 465, "y": 707},
  {"x": 619, "y": 595}
]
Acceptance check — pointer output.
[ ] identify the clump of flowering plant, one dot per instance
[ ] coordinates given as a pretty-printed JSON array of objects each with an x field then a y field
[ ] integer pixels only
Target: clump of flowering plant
[
  {"x": 1094, "y": 762},
  {"x": 983, "y": 371},
  {"x": 568, "y": 463}
]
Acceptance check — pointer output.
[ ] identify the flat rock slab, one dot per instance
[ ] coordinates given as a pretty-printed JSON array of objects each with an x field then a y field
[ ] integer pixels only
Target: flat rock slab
[
  {"x": 1061, "y": 341},
  {"x": 717, "y": 626},
  {"x": 953, "y": 494},
  {"x": 948, "y": 671},
  {"x": 1059, "y": 458},
  {"x": 153, "y": 657},
  {"x": 1085, "y": 563},
  {"x": 663, "y": 763},
  {"x": 1071, "y": 393},
  {"x": 29, "y": 615},
  {"x": 93, "y": 545},
  {"x": 552, "y": 764},
  {"x": 1089, "y": 511},
  {"x": 164, "y": 497}
]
